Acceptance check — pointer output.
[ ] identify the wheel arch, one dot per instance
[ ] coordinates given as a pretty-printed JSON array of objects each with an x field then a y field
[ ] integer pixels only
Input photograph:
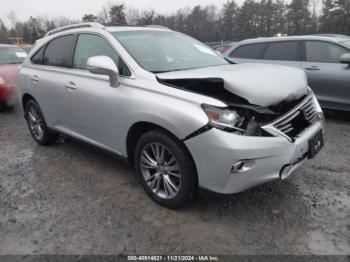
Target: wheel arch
[
  {"x": 142, "y": 127},
  {"x": 25, "y": 98}
]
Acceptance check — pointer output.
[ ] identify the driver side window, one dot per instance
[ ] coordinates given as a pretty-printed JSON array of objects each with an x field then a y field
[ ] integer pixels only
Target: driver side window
[
  {"x": 89, "y": 45},
  {"x": 324, "y": 52}
]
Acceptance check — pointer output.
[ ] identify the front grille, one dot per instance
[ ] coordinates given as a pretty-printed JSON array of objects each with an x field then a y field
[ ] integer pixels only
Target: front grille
[{"x": 297, "y": 119}]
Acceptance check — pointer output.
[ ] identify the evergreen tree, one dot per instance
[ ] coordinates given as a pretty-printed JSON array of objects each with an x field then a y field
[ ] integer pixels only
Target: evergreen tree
[
  {"x": 299, "y": 17},
  {"x": 229, "y": 21},
  {"x": 35, "y": 30},
  {"x": 248, "y": 20},
  {"x": 3, "y": 33},
  {"x": 327, "y": 18},
  {"x": 117, "y": 14},
  {"x": 89, "y": 18},
  {"x": 25, "y": 33}
]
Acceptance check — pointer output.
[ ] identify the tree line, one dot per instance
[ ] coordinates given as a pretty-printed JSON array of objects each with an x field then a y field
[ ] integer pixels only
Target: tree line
[{"x": 231, "y": 22}]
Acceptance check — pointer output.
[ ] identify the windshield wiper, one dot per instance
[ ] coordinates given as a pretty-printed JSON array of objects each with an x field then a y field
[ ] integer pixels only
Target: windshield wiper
[{"x": 167, "y": 71}]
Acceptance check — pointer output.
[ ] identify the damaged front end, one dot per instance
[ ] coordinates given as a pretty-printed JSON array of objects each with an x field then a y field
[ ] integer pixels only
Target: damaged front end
[
  {"x": 240, "y": 121},
  {"x": 287, "y": 118}
]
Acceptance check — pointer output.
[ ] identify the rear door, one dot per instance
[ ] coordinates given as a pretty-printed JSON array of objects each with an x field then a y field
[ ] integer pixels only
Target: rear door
[
  {"x": 47, "y": 74},
  {"x": 328, "y": 78}
]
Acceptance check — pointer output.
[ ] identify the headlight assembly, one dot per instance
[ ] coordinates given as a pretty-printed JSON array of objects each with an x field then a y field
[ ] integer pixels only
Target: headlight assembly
[{"x": 224, "y": 118}]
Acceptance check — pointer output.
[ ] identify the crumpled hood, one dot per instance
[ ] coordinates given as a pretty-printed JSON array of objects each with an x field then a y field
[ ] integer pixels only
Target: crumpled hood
[{"x": 259, "y": 84}]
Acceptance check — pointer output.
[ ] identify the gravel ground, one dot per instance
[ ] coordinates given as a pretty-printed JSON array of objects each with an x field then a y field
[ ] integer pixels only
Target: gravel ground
[{"x": 72, "y": 199}]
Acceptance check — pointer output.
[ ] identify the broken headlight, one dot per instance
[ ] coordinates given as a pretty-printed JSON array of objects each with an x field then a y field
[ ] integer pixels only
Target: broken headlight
[{"x": 224, "y": 118}]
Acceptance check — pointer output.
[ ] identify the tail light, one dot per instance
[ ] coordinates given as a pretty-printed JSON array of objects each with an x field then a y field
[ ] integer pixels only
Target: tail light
[{"x": 5, "y": 89}]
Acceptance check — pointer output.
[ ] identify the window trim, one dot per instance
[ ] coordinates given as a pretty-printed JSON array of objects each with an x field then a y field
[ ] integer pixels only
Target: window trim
[
  {"x": 109, "y": 43},
  {"x": 304, "y": 56},
  {"x": 132, "y": 76}
]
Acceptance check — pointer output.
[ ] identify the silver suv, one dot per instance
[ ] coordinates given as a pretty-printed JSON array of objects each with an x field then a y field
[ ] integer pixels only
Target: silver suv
[
  {"x": 182, "y": 115},
  {"x": 324, "y": 58}
]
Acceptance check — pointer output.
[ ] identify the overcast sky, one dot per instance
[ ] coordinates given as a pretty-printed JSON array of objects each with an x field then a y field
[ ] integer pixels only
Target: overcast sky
[{"x": 77, "y": 8}]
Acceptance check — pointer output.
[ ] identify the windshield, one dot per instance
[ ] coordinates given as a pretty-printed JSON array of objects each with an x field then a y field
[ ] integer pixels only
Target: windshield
[
  {"x": 346, "y": 43},
  {"x": 163, "y": 51},
  {"x": 12, "y": 55}
]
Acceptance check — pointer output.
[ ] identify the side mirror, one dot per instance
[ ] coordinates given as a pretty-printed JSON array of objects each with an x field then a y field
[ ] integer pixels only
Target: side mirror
[
  {"x": 345, "y": 59},
  {"x": 104, "y": 65}
]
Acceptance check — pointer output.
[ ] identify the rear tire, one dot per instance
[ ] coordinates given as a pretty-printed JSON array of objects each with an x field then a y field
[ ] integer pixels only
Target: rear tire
[
  {"x": 165, "y": 169},
  {"x": 37, "y": 124}
]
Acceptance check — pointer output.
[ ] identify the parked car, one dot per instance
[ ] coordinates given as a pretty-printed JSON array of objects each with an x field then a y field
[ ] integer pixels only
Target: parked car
[
  {"x": 11, "y": 58},
  {"x": 222, "y": 48},
  {"x": 324, "y": 58},
  {"x": 182, "y": 115}
]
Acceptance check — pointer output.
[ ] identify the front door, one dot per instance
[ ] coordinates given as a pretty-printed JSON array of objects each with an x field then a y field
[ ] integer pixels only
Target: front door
[
  {"x": 329, "y": 79},
  {"x": 94, "y": 110}
]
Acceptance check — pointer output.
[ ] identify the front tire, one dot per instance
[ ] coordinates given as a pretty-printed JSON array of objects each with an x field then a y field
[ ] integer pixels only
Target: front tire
[
  {"x": 165, "y": 169},
  {"x": 37, "y": 125}
]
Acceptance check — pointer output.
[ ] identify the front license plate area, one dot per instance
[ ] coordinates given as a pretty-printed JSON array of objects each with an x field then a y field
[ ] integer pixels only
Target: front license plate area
[{"x": 315, "y": 144}]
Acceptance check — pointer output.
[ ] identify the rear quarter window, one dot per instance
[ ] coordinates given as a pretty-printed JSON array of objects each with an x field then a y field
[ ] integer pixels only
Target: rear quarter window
[
  {"x": 250, "y": 51},
  {"x": 37, "y": 58}
]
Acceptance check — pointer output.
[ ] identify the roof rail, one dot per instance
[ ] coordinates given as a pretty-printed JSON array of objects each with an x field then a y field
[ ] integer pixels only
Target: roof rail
[
  {"x": 116, "y": 24},
  {"x": 332, "y": 35},
  {"x": 158, "y": 26},
  {"x": 74, "y": 26}
]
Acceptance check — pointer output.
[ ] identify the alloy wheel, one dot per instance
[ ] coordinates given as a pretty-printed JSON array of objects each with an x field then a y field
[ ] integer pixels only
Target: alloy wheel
[
  {"x": 160, "y": 170},
  {"x": 36, "y": 123}
]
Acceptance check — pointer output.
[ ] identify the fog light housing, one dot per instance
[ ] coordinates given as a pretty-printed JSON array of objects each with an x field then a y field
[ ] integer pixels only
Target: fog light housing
[{"x": 242, "y": 166}]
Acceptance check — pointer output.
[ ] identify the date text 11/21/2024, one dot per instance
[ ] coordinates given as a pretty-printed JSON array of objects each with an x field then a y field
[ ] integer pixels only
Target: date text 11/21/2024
[{"x": 173, "y": 258}]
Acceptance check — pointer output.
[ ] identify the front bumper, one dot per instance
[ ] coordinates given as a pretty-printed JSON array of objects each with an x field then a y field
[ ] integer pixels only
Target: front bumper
[{"x": 268, "y": 158}]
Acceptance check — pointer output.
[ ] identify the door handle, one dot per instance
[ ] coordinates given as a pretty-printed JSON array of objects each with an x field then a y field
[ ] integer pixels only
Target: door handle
[
  {"x": 313, "y": 68},
  {"x": 71, "y": 86},
  {"x": 35, "y": 79}
]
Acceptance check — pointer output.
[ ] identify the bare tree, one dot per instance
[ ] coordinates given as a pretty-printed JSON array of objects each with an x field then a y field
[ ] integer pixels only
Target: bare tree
[
  {"x": 102, "y": 16},
  {"x": 132, "y": 15}
]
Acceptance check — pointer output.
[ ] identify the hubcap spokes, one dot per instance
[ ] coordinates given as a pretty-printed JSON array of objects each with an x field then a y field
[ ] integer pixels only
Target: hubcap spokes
[
  {"x": 35, "y": 123},
  {"x": 160, "y": 170}
]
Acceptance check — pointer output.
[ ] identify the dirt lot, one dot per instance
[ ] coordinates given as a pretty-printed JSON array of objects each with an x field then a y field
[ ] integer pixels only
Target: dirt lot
[{"x": 72, "y": 199}]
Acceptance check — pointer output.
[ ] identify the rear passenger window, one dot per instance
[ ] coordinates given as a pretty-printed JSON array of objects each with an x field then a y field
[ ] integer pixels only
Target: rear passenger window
[
  {"x": 89, "y": 45},
  {"x": 286, "y": 51},
  {"x": 59, "y": 52},
  {"x": 251, "y": 51}
]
